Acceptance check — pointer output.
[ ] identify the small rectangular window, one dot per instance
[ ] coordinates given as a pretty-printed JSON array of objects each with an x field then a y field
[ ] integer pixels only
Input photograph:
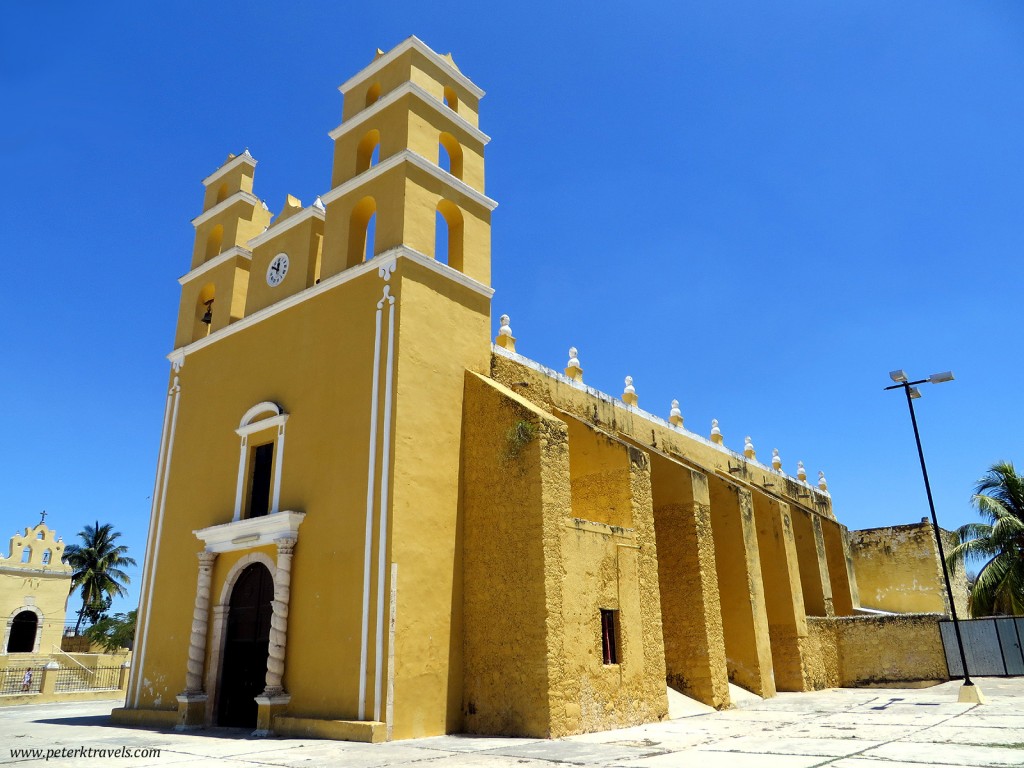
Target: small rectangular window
[
  {"x": 609, "y": 636},
  {"x": 262, "y": 463}
]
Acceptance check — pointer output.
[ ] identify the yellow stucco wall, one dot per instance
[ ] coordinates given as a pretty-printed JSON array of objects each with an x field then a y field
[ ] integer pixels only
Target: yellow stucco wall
[
  {"x": 36, "y": 586},
  {"x": 688, "y": 583},
  {"x": 898, "y": 570},
  {"x": 513, "y": 472},
  {"x": 541, "y": 595}
]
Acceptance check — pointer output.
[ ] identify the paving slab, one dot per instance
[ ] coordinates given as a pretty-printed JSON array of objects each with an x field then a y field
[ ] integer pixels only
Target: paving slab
[
  {"x": 861, "y": 762},
  {"x": 839, "y": 728},
  {"x": 955, "y": 754},
  {"x": 565, "y": 751},
  {"x": 459, "y": 743},
  {"x": 782, "y": 745},
  {"x": 954, "y": 734},
  {"x": 727, "y": 760}
]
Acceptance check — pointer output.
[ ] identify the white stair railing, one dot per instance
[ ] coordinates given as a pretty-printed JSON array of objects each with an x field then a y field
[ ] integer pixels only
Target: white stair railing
[{"x": 73, "y": 659}]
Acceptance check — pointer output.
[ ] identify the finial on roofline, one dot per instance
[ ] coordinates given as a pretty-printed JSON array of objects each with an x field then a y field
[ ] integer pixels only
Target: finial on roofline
[
  {"x": 629, "y": 392},
  {"x": 505, "y": 339},
  {"x": 573, "y": 369},
  {"x": 675, "y": 416}
]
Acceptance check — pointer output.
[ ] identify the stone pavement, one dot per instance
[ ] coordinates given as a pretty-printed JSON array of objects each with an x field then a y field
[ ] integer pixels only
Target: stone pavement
[{"x": 841, "y": 728}]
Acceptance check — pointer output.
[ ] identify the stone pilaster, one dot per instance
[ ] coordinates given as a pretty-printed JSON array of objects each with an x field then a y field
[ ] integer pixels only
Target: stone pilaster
[
  {"x": 192, "y": 701},
  {"x": 279, "y": 617},
  {"x": 274, "y": 700}
]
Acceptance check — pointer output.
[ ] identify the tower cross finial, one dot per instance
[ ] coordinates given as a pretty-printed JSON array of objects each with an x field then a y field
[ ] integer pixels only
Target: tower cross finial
[{"x": 42, "y": 518}]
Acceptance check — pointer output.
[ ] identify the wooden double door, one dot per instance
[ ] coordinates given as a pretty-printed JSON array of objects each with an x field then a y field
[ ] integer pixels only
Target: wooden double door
[{"x": 246, "y": 648}]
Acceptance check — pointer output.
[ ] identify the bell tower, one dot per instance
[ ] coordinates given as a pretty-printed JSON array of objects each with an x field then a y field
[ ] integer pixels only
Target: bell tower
[
  {"x": 213, "y": 292},
  {"x": 409, "y": 165}
]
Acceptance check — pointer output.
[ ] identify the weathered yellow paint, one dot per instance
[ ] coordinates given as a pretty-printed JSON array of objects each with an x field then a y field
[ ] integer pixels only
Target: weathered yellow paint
[
  {"x": 877, "y": 650},
  {"x": 787, "y": 622},
  {"x": 840, "y": 568},
  {"x": 898, "y": 569},
  {"x": 744, "y": 613},
  {"x": 687, "y": 576},
  {"x": 539, "y": 569}
]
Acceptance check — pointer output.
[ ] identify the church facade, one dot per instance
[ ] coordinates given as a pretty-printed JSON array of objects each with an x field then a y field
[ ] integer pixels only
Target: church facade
[
  {"x": 35, "y": 583},
  {"x": 371, "y": 522}
]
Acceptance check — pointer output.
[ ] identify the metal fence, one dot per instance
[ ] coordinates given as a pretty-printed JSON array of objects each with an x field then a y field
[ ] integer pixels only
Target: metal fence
[
  {"x": 78, "y": 679},
  {"x": 13, "y": 680},
  {"x": 993, "y": 647}
]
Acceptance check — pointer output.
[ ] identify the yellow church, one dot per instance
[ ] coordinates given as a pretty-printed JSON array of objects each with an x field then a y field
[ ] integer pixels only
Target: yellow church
[
  {"x": 35, "y": 583},
  {"x": 372, "y": 521}
]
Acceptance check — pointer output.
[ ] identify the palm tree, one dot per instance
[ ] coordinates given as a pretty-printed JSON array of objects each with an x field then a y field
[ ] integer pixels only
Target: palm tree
[
  {"x": 999, "y": 499},
  {"x": 96, "y": 564}
]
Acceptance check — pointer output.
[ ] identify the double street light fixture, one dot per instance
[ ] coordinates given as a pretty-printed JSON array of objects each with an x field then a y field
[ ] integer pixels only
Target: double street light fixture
[{"x": 969, "y": 692}]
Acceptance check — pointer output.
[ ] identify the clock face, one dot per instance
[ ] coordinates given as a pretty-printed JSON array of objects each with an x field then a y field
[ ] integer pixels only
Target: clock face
[{"x": 277, "y": 270}]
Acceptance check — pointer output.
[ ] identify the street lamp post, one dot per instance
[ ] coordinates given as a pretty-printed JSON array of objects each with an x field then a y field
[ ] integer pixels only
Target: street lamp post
[{"x": 969, "y": 692}]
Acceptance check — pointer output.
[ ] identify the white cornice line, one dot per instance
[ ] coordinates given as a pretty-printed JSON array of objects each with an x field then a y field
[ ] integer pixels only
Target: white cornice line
[
  {"x": 407, "y": 155},
  {"x": 442, "y": 269},
  {"x": 40, "y": 572},
  {"x": 408, "y": 44},
  {"x": 277, "y": 229},
  {"x": 401, "y": 252},
  {"x": 234, "y": 162},
  {"x": 459, "y": 184},
  {"x": 223, "y": 205},
  {"x": 392, "y": 96},
  {"x": 368, "y": 175},
  {"x": 231, "y": 253}
]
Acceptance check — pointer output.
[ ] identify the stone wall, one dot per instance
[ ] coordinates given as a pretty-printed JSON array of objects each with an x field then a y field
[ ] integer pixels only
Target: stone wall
[{"x": 855, "y": 651}]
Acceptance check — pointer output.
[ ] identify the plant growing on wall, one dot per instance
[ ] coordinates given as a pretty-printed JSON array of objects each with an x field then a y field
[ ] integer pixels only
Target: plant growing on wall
[
  {"x": 999, "y": 586},
  {"x": 518, "y": 437}
]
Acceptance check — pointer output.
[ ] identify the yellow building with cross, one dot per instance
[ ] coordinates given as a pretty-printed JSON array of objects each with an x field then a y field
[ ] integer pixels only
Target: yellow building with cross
[
  {"x": 34, "y": 587},
  {"x": 371, "y": 522}
]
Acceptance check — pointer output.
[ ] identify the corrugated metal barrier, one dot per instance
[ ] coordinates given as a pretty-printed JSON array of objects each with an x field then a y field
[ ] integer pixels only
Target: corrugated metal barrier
[{"x": 993, "y": 646}]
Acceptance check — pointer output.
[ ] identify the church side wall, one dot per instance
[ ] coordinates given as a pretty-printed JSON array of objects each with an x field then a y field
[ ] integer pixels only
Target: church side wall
[{"x": 512, "y": 454}]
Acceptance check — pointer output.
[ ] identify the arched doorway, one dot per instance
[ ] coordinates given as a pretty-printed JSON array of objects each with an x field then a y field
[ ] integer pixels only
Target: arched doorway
[
  {"x": 23, "y": 633},
  {"x": 244, "y": 669}
]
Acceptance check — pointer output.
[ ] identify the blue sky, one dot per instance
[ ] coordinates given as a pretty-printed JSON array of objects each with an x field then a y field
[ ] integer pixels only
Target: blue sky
[{"x": 757, "y": 208}]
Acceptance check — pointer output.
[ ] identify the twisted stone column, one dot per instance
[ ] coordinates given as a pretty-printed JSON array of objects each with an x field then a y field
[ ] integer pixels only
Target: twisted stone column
[
  {"x": 200, "y": 623},
  {"x": 279, "y": 617}
]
